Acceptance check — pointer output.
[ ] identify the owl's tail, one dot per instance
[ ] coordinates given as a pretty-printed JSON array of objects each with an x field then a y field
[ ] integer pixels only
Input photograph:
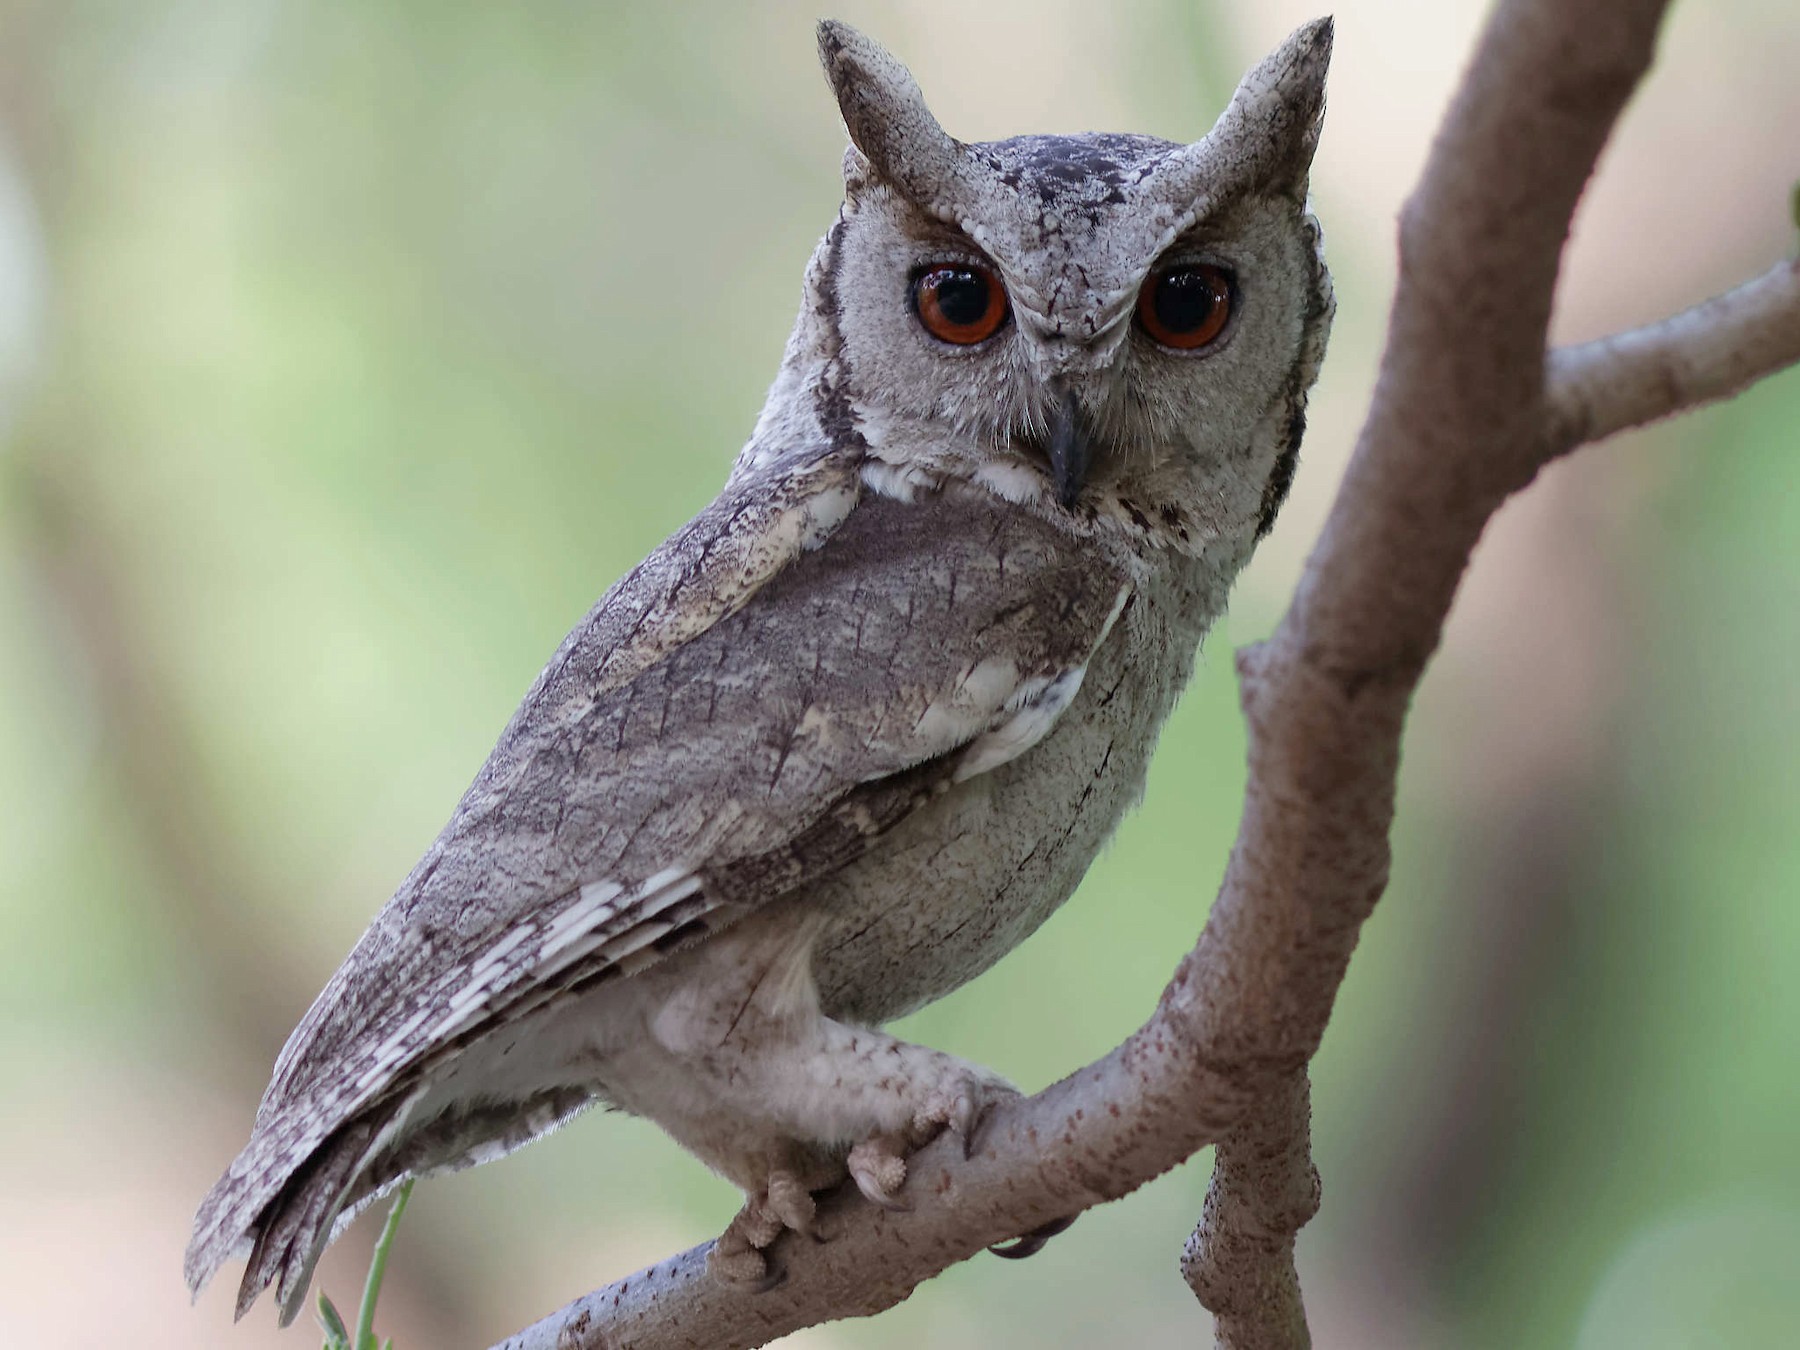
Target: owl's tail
[
  {"x": 355, "y": 1166},
  {"x": 311, "y": 1210},
  {"x": 287, "y": 1234}
]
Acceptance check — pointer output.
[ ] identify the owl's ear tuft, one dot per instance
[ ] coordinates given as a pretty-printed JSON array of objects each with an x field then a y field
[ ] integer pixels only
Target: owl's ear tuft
[
  {"x": 1278, "y": 109},
  {"x": 885, "y": 114},
  {"x": 1264, "y": 140}
]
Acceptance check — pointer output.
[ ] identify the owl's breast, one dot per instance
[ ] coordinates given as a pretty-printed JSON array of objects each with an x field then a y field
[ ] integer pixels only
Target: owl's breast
[{"x": 965, "y": 880}]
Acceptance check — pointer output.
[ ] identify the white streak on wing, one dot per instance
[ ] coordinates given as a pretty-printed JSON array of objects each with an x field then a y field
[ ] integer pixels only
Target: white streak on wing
[
  {"x": 1113, "y": 617},
  {"x": 982, "y": 690},
  {"x": 391, "y": 1051},
  {"x": 599, "y": 901},
  {"x": 802, "y": 528},
  {"x": 667, "y": 877},
  {"x": 575, "y": 933},
  {"x": 1035, "y": 706},
  {"x": 902, "y": 482},
  {"x": 601, "y": 892},
  {"x": 391, "y": 1131},
  {"x": 989, "y": 682},
  {"x": 1035, "y": 709},
  {"x": 1012, "y": 480},
  {"x": 474, "y": 990},
  {"x": 668, "y": 887},
  {"x": 941, "y": 724},
  {"x": 824, "y": 513},
  {"x": 454, "y": 1022},
  {"x": 498, "y": 952},
  {"x": 641, "y": 935}
]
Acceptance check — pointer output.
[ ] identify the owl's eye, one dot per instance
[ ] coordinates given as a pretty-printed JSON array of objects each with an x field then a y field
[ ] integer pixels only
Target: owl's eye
[
  {"x": 1186, "y": 306},
  {"x": 959, "y": 302}
]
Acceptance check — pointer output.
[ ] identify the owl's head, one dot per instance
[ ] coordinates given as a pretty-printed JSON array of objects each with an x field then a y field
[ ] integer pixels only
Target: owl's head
[{"x": 1075, "y": 321}]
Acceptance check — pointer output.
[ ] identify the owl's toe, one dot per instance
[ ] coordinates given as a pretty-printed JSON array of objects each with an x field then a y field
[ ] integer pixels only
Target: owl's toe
[
  {"x": 878, "y": 1167},
  {"x": 962, "y": 1106},
  {"x": 782, "y": 1202},
  {"x": 748, "y": 1269},
  {"x": 737, "y": 1256},
  {"x": 733, "y": 1260},
  {"x": 790, "y": 1205}
]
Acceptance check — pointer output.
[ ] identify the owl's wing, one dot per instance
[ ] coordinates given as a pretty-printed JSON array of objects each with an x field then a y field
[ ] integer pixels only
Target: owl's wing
[{"x": 741, "y": 715}]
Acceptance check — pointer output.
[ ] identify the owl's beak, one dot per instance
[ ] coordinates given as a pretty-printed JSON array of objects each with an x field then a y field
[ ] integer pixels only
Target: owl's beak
[{"x": 1071, "y": 439}]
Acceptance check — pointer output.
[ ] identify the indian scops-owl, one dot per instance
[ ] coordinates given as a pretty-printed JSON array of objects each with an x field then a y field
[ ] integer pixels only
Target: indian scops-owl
[{"x": 855, "y": 730}]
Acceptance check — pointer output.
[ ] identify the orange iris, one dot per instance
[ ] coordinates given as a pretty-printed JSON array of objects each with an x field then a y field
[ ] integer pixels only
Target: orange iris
[
  {"x": 1186, "y": 306},
  {"x": 961, "y": 303}
]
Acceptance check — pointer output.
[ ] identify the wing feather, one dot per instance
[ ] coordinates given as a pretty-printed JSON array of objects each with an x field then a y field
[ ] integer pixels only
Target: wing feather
[{"x": 740, "y": 716}]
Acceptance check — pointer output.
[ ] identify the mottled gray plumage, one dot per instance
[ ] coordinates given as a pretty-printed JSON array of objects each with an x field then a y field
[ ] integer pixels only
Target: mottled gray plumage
[{"x": 853, "y": 732}]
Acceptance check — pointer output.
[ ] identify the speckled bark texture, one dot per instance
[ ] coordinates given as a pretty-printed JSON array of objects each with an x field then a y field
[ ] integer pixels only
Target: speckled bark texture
[
  {"x": 1240, "y": 1260},
  {"x": 1469, "y": 405}
]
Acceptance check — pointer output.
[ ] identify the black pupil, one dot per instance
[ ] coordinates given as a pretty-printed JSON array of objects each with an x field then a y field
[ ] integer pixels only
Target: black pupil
[
  {"x": 1184, "y": 300},
  {"x": 962, "y": 295}
]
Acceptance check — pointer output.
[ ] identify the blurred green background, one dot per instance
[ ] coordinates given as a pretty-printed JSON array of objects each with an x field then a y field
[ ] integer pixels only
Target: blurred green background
[{"x": 349, "y": 350}]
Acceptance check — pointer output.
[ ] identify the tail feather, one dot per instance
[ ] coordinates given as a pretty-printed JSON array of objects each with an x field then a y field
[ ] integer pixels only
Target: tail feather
[
  {"x": 297, "y": 1227},
  {"x": 227, "y": 1220},
  {"x": 284, "y": 1214},
  {"x": 287, "y": 1219}
]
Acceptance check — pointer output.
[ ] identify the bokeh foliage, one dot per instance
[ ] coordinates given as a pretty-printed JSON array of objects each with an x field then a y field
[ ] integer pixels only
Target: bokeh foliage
[{"x": 349, "y": 350}]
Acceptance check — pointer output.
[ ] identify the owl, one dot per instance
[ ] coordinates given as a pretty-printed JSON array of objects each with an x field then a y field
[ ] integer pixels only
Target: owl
[{"x": 859, "y": 727}]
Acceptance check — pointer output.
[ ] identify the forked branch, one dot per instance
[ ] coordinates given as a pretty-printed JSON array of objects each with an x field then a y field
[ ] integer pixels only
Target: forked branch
[{"x": 1468, "y": 407}]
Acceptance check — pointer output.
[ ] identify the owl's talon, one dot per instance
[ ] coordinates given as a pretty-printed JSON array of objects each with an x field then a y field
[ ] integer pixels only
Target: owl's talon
[
  {"x": 893, "y": 1204},
  {"x": 789, "y": 1203},
  {"x": 970, "y": 1112},
  {"x": 962, "y": 1109},
  {"x": 972, "y": 1132},
  {"x": 878, "y": 1167},
  {"x": 1030, "y": 1244},
  {"x": 964, "y": 1118}
]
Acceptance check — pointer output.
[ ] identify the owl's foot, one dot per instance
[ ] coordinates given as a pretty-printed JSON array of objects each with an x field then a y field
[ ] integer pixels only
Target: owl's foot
[
  {"x": 957, "y": 1097},
  {"x": 741, "y": 1067},
  {"x": 737, "y": 1256},
  {"x": 891, "y": 1096},
  {"x": 960, "y": 1102}
]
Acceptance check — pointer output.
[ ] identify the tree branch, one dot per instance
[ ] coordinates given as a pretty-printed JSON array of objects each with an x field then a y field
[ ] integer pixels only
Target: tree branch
[
  {"x": 1701, "y": 355},
  {"x": 1461, "y": 418},
  {"x": 1092, "y": 1137},
  {"x": 1240, "y": 1260}
]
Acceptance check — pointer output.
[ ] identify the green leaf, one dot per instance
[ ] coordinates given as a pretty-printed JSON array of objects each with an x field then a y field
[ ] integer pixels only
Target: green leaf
[{"x": 336, "y": 1337}]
